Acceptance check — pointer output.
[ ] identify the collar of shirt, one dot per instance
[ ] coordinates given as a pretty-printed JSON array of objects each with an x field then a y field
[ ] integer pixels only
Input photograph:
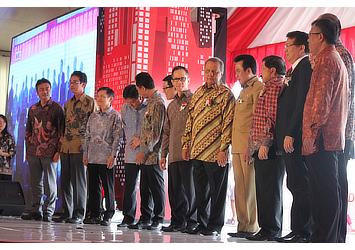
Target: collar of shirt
[
  {"x": 250, "y": 82},
  {"x": 49, "y": 103},
  {"x": 105, "y": 112},
  {"x": 186, "y": 93},
  {"x": 278, "y": 80},
  {"x": 294, "y": 65},
  {"x": 81, "y": 99},
  {"x": 325, "y": 51},
  {"x": 214, "y": 86}
]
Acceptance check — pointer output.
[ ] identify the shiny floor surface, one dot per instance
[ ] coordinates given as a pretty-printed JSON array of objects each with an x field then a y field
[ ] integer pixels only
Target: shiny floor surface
[{"x": 13, "y": 229}]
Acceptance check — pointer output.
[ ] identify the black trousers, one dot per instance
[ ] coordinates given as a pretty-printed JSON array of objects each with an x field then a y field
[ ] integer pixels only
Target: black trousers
[
  {"x": 129, "y": 199},
  {"x": 5, "y": 177},
  {"x": 343, "y": 182},
  {"x": 153, "y": 176},
  {"x": 297, "y": 181},
  {"x": 100, "y": 174},
  {"x": 325, "y": 195},
  {"x": 73, "y": 184},
  {"x": 211, "y": 188},
  {"x": 269, "y": 176},
  {"x": 181, "y": 192}
]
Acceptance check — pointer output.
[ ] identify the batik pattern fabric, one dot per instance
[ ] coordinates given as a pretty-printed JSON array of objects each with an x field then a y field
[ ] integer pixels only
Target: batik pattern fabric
[{"x": 209, "y": 123}]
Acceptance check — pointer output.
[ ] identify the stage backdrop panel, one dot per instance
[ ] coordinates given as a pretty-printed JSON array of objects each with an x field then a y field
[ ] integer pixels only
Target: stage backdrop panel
[{"x": 52, "y": 50}]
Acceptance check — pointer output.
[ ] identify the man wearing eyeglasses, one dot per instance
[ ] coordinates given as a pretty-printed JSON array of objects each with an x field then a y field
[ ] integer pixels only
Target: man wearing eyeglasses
[
  {"x": 73, "y": 172},
  {"x": 324, "y": 120},
  {"x": 180, "y": 173},
  {"x": 349, "y": 131},
  {"x": 168, "y": 88},
  {"x": 206, "y": 141},
  {"x": 289, "y": 134}
]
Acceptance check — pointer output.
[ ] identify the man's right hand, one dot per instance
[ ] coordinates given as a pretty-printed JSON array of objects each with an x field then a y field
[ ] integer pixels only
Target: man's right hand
[
  {"x": 163, "y": 164},
  {"x": 185, "y": 153},
  {"x": 85, "y": 161},
  {"x": 135, "y": 142}
]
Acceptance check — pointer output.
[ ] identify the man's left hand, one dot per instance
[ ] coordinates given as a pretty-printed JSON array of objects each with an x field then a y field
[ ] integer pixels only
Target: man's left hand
[
  {"x": 263, "y": 152},
  {"x": 222, "y": 159},
  {"x": 140, "y": 158},
  {"x": 56, "y": 157},
  {"x": 110, "y": 160}
]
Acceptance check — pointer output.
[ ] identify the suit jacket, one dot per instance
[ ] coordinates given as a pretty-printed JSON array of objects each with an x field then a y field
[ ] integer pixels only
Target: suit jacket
[
  {"x": 290, "y": 106},
  {"x": 243, "y": 114}
]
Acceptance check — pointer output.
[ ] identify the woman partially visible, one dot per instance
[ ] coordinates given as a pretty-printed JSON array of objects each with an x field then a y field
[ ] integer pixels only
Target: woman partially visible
[{"x": 7, "y": 150}]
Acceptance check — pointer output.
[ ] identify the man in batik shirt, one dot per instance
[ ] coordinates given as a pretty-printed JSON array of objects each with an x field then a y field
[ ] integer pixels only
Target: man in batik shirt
[
  {"x": 206, "y": 142},
  {"x": 150, "y": 146},
  {"x": 73, "y": 172},
  {"x": 45, "y": 126},
  {"x": 102, "y": 139}
]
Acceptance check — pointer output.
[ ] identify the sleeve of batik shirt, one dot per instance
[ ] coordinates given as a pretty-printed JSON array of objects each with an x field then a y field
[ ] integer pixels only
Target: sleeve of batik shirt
[
  {"x": 117, "y": 133},
  {"x": 186, "y": 137},
  {"x": 151, "y": 136},
  {"x": 166, "y": 135},
  {"x": 60, "y": 125},
  {"x": 227, "y": 120},
  {"x": 87, "y": 137},
  {"x": 29, "y": 128},
  {"x": 319, "y": 96},
  {"x": 271, "y": 109}
]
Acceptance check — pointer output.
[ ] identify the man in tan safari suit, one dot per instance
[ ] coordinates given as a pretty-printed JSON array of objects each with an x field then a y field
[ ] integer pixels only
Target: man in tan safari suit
[{"x": 245, "y": 197}]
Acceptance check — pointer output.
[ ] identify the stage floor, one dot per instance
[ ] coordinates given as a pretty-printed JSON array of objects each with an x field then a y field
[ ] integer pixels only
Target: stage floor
[{"x": 13, "y": 229}]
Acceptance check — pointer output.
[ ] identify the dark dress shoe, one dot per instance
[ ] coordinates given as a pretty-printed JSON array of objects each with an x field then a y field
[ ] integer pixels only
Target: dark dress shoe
[
  {"x": 92, "y": 220},
  {"x": 105, "y": 222},
  {"x": 174, "y": 228},
  {"x": 210, "y": 232},
  {"x": 32, "y": 216},
  {"x": 47, "y": 218},
  {"x": 156, "y": 225},
  {"x": 75, "y": 220},
  {"x": 124, "y": 224},
  {"x": 195, "y": 230},
  {"x": 241, "y": 234},
  {"x": 139, "y": 225},
  {"x": 61, "y": 219},
  {"x": 261, "y": 236},
  {"x": 293, "y": 238}
]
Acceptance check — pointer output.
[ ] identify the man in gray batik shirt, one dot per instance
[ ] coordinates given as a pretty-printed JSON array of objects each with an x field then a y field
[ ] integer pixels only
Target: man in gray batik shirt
[{"x": 102, "y": 138}]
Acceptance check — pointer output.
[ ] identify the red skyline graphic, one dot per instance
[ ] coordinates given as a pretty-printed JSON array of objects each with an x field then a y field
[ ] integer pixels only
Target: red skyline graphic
[{"x": 153, "y": 40}]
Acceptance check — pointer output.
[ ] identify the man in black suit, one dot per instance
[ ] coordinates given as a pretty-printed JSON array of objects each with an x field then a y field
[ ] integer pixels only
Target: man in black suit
[{"x": 289, "y": 134}]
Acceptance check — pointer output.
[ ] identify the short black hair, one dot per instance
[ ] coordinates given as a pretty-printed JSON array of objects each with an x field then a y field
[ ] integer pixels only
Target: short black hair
[
  {"x": 248, "y": 62},
  {"x": 329, "y": 30},
  {"x": 275, "y": 62},
  {"x": 108, "y": 90},
  {"x": 143, "y": 79},
  {"x": 5, "y": 129},
  {"x": 333, "y": 18},
  {"x": 178, "y": 68},
  {"x": 42, "y": 80},
  {"x": 169, "y": 79},
  {"x": 130, "y": 91},
  {"x": 301, "y": 38},
  {"x": 82, "y": 76}
]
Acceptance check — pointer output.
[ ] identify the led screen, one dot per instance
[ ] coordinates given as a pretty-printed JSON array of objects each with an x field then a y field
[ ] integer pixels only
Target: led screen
[{"x": 52, "y": 50}]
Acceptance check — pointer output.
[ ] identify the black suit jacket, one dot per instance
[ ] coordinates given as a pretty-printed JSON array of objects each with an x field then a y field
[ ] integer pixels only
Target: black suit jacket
[{"x": 290, "y": 106}]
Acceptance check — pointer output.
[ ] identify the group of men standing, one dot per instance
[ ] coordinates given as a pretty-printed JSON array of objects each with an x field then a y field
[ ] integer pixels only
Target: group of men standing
[{"x": 299, "y": 120}]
